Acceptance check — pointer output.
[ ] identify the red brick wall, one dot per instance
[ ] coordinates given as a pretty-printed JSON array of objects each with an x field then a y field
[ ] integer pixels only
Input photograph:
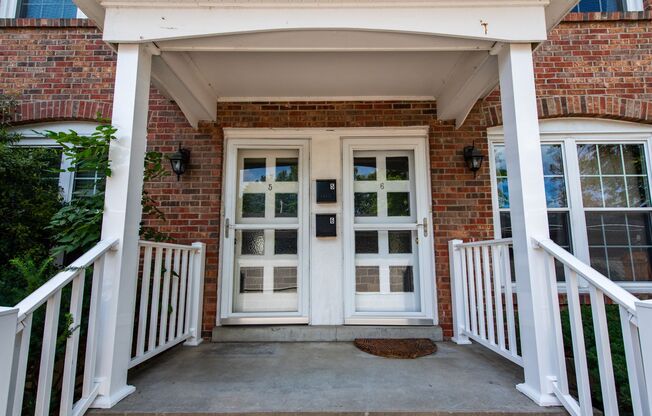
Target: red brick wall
[{"x": 61, "y": 70}]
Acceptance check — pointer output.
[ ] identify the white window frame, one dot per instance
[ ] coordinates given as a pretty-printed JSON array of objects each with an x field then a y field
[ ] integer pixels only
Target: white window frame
[
  {"x": 631, "y": 6},
  {"x": 9, "y": 10},
  {"x": 569, "y": 132},
  {"x": 31, "y": 138}
]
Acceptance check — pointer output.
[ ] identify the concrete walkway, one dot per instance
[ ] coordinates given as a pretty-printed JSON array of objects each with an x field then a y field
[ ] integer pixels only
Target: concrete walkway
[{"x": 333, "y": 378}]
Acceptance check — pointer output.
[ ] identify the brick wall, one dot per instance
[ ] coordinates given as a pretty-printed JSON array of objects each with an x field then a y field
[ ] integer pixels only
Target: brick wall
[{"x": 61, "y": 70}]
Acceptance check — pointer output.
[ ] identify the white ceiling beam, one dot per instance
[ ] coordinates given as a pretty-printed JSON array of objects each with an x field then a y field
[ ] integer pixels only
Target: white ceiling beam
[
  {"x": 475, "y": 75},
  {"x": 522, "y": 21},
  {"x": 185, "y": 69},
  {"x": 169, "y": 83}
]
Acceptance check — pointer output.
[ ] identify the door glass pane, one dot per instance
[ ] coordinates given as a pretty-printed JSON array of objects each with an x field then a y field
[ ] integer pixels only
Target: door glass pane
[
  {"x": 267, "y": 271},
  {"x": 386, "y": 260}
]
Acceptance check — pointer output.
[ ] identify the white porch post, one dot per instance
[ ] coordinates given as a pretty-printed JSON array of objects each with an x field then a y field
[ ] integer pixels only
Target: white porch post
[
  {"x": 529, "y": 218},
  {"x": 644, "y": 311},
  {"x": 122, "y": 214},
  {"x": 457, "y": 293}
]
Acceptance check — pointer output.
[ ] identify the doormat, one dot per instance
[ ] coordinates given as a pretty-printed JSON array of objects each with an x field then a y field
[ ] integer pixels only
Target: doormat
[{"x": 397, "y": 348}]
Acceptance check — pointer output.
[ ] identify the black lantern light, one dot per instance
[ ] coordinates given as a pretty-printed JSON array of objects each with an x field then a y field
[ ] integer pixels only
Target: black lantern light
[
  {"x": 179, "y": 161},
  {"x": 473, "y": 158}
]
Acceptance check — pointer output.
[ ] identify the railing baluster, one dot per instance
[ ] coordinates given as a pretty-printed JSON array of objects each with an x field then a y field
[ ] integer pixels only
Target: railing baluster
[
  {"x": 600, "y": 325},
  {"x": 174, "y": 311},
  {"x": 498, "y": 295},
  {"x": 72, "y": 344},
  {"x": 189, "y": 289},
  {"x": 21, "y": 355},
  {"x": 509, "y": 300},
  {"x": 465, "y": 289},
  {"x": 579, "y": 348},
  {"x": 633, "y": 356},
  {"x": 156, "y": 294},
  {"x": 165, "y": 304},
  {"x": 487, "y": 290},
  {"x": 48, "y": 350},
  {"x": 472, "y": 293},
  {"x": 182, "y": 293},
  {"x": 478, "y": 288},
  {"x": 144, "y": 301},
  {"x": 90, "y": 361}
]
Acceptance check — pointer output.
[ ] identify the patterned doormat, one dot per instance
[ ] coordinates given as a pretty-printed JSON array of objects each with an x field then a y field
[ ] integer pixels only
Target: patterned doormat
[{"x": 397, "y": 348}]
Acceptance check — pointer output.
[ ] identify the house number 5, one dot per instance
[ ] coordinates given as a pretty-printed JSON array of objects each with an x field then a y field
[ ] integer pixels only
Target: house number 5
[{"x": 269, "y": 186}]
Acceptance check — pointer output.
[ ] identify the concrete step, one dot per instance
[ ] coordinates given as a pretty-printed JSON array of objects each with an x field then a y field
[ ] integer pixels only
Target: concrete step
[
  {"x": 555, "y": 412},
  {"x": 309, "y": 333}
]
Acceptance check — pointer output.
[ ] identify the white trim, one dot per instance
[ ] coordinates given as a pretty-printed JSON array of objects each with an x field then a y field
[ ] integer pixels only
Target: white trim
[
  {"x": 568, "y": 132},
  {"x": 327, "y": 98}
]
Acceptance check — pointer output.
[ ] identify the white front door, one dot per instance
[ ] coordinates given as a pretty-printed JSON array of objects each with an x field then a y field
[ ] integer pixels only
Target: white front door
[
  {"x": 265, "y": 271},
  {"x": 388, "y": 243}
]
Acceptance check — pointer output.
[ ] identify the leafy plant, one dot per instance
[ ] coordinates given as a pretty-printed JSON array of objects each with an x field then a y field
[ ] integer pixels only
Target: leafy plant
[{"x": 153, "y": 170}]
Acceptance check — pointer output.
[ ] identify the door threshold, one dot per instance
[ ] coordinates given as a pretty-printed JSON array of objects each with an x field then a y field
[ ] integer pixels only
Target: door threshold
[{"x": 389, "y": 321}]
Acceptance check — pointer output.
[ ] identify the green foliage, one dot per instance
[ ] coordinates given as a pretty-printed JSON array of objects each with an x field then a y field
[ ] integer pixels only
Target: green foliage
[
  {"x": 154, "y": 169},
  {"x": 617, "y": 355}
]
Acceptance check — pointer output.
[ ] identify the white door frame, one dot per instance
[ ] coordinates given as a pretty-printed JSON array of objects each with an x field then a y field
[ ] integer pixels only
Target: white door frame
[
  {"x": 418, "y": 143},
  {"x": 235, "y": 142}
]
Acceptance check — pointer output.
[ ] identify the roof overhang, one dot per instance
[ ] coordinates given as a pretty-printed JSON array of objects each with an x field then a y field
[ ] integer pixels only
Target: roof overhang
[{"x": 277, "y": 50}]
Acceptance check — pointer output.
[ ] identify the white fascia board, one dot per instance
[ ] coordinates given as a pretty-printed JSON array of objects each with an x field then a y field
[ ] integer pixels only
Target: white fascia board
[
  {"x": 490, "y": 23},
  {"x": 172, "y": 87},
  {"x": 92, "y": 9}
]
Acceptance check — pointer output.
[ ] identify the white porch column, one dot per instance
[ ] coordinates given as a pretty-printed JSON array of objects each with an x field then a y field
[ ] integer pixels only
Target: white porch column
[
  {"x": 122, "y": 212},
  {"x": 529, "y": 218}
]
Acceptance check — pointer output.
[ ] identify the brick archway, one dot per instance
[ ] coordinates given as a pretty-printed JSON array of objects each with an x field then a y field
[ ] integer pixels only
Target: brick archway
[
  {"x": 614, "y": 108},
  {"x": 61, "y": 110}
]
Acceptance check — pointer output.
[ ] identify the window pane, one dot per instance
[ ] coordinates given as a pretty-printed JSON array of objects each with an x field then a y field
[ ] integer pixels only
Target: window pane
[
  {"x": 364, "y": 168},
  {"x": 285, "y": 279},
  {"x": 503, "y": 193},
  {"x": 398, "y": 204},
  {"x": 254, "y": 170},
  {"x": 287, "y": 170},
  {"x": 253, "y": 242},
  {"x": 634, "y": 159},
  {"x": 253, "y": 205},
  {"x": 560, "y": 230},
  {"x": 367, "y": 279},
  {"x": 400, "y": 242},
  {"x": 555, "y": 192},
  {"x": 553, "y": 162},
  {"x": 286, "y": 205},
  {"x": 620, "y": 244},
  {"x": 591, "y": 192},
  {"x": 501, "y": 164},
  {"x": 638, "y": 191},
  {"x": 251, "y": 279},
  {"x": 285, "y": 242},
  {"x": 53, "y": 9},
  {"x": 401, "y": 279},
  {"x": 398, "y": 168},
  {"x": 586, "y": 6},
  {"x": 614, "y": 192},
  {"x": 587, "y": 156},
  {"x": 610, "y": 159},
  {"x": 366, "y": 242},
  {"x": 366, "y": 204}
]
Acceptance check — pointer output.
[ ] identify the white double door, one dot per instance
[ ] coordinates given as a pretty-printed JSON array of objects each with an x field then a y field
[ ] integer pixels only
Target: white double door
[{"x": 386, "y": 263}]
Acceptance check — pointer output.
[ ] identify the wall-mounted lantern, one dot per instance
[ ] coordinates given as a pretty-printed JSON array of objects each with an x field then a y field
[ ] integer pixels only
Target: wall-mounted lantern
[
  {"x": 473, "y": 158},
  {"x": 179, "y": 161}
]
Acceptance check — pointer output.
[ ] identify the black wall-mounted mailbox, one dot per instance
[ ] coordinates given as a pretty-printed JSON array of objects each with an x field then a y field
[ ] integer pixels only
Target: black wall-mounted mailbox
[
  {"x": 326, "y": 191},
  {"x": 326, "y": 225}
]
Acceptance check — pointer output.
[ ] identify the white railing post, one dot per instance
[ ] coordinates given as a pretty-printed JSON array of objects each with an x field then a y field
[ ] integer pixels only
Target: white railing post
[
  {"x": 644, "y": 316},
  {"x": 457, "y": 293},
  {"x": 8, "y": 323},
  {"x": 197, "y": 294},
  {"x": 122, "y": 215},
  {"x": 528, "y": 218}
]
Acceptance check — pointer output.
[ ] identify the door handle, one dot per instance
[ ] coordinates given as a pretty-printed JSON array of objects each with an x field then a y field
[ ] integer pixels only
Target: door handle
[
  {"x": 424, "y": 226},
  {"x": 227, "y": 225}
]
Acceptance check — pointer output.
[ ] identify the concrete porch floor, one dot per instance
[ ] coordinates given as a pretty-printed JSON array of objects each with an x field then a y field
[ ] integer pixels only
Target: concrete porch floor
[{"x": 327, "y": 378}]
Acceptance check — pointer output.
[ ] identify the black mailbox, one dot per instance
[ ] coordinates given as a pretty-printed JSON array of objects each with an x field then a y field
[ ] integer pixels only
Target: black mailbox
[
  {"x": 326, "y": 190},
  {"x": 326, "y": 225}
]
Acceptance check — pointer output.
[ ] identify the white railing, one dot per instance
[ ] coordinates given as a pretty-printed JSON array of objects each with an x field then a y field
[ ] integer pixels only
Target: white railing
[
  {"x": 16, "y": 330},
  {"x": 483, "y": 300},
  {"x": 635, "y": 324},
  {"x": 482, "y": 296},
  {"x": 169, "y": 299}
]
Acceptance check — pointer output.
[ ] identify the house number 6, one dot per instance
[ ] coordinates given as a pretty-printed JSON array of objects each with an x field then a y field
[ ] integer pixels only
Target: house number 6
[{"x": 382, "y": 186}]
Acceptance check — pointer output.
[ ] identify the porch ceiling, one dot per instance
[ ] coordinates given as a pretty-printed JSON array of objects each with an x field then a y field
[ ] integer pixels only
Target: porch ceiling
[{"x": 276, "y": 50}]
